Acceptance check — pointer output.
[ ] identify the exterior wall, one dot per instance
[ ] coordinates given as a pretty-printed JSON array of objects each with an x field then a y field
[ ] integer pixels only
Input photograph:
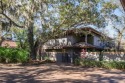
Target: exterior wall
[
  {"x": 107, "y": 56},
  {"x": 54, "y": 56},
  {"x": 60, "y": 56},
  {"x": 114, "y": 56},
  {"x": 9, "y": 43},
  {"x": 91, "y": 55},
  {"x": 97, "y": 41},
  {"x": 69, "y": 40}
]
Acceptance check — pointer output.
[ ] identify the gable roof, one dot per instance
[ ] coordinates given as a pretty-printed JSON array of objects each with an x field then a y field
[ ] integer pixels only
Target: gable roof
[{"x": 88, "y": 29}]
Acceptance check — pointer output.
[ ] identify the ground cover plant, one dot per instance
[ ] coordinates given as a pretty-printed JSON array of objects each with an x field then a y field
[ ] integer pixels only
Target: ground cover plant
[
  {"x": 13, "y": 55},
  {"x": 101, "y": 64}
]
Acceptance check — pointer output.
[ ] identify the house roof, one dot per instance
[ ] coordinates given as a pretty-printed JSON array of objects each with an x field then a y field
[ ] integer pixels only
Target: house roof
[
  {"x": 88, "y": 29},
  {"x": 80, "y": 44},
  {"x": 9, "y": 43}
]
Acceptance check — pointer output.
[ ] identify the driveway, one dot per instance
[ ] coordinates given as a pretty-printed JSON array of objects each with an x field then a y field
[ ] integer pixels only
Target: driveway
[{"x": 59, "y": 73}]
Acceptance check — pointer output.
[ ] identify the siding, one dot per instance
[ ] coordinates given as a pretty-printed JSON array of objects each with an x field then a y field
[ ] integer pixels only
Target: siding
[
  {"x": 69, "y": 40},
  {"x": 97, "y": 41}
]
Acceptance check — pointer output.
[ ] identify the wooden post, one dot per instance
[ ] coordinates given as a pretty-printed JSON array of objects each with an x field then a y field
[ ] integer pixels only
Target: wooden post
[
  {"x": 64, "y": 51},
  {"x": 101, "y": 56},
  {"x": 86, "y": 38}
]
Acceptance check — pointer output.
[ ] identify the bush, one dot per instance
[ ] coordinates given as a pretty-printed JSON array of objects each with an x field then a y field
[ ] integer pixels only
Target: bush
[
  {"x": 13, "y": 55},
  {"x": 101, "y": 64}
]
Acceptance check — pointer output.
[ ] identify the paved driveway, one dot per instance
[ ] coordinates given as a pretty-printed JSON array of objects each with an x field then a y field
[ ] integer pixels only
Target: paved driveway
[{"x": 59, "y": 73}]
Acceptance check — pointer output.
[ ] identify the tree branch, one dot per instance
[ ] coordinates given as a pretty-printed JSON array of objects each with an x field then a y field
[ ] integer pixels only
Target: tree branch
[
  {"x": 12, "y": 21},
  {"x": 2, "y": 8}
]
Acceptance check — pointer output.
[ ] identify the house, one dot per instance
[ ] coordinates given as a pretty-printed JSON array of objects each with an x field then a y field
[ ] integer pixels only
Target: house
[
  {"x": 122, "y": 44},
  {"x": 9, "y": 43},
  {"x": 75, "y": 43}
]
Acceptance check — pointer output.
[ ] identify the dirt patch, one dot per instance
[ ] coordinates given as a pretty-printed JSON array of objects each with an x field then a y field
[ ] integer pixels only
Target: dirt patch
[{"x": 59, "y": 73}]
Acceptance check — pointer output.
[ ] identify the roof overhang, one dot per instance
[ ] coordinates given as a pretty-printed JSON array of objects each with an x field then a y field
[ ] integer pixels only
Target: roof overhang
[{"x": 89, "y": 30}]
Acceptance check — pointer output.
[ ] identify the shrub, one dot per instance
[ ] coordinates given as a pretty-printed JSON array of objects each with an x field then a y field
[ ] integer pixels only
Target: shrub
[
  {"x": 13, "y": 55},
  {"x": 102, "y": 64}
]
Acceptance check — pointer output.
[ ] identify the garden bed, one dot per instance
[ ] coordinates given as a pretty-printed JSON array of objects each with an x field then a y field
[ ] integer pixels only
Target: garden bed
[{"x": 101, "y": 64}]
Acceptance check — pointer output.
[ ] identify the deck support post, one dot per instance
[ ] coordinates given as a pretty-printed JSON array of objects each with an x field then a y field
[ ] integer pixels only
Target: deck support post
[{"x": 86, "y": 38}]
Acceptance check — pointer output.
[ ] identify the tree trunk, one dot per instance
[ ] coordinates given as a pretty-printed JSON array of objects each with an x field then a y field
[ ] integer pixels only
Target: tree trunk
[
  {"x": 1, "y": 41},
  {"x": 32, "y": 50},
  {"x": 119, "y": 44},
  {"x": 119, "y": 41},
  {"x": 39, "y": 53}
]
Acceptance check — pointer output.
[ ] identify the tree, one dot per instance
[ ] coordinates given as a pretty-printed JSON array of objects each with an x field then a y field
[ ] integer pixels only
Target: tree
[
  {"x": 120, "y": 29},
  {"x": 25, "y": 14},
  {"x": 52, "y": 16},
  {"x": 20, "y": 36},
  {"x": 4, "y": 29},
  {"x": 117, "y": 22},
  {"x": 81, "y": 12},
  {"x": 22, "y": 13}
]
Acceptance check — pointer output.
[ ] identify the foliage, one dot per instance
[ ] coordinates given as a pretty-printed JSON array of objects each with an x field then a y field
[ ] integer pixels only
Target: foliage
[
  {"x": 13, "y": 55},
  {"x": 81, "y": 12},
  {"x": 116, "y": 21},
  {"x": 26, "y": 14},
  {"x": 51, "y": 16},
  {"x": 102, "y": 64},
  {"x": 21, "y": 37}
]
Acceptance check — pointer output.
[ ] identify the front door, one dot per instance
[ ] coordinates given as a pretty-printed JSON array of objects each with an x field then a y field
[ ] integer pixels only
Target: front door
[{"x": 66, "y": 58}]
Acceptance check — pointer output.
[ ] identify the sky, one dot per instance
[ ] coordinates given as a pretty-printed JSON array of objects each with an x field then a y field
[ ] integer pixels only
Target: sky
[
  {"x": 109, "y": 28},
  {"x": 111, "y": 32},
  {"x": 118, "y": 12}
]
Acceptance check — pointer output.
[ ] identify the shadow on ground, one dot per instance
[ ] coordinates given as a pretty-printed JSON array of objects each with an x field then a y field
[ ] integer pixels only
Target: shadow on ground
[{"x": 59, "y": 73}]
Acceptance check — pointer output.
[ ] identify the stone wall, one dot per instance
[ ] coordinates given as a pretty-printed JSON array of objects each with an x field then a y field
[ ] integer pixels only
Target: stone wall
[
  {"x": 107, "y": 56},
  {"x": 114, "y": 56}
]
